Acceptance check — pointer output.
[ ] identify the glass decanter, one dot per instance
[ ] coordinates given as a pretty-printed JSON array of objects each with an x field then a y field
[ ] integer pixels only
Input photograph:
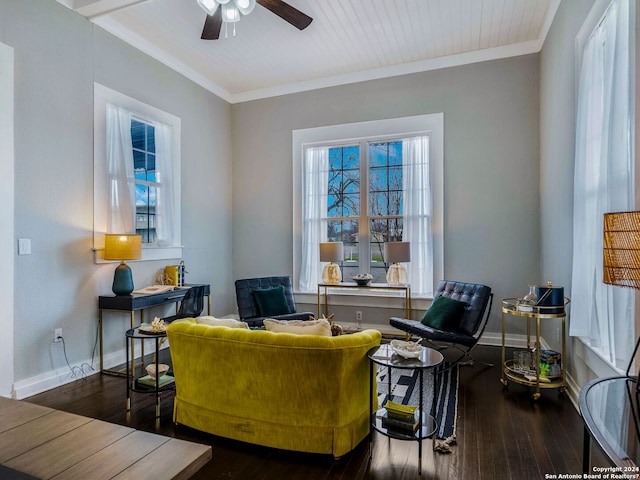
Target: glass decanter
[{"x": 530, "y": 298}]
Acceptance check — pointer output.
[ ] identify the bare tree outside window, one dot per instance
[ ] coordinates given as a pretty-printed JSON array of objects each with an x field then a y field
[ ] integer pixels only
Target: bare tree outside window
[{"x": 382, "y": 217}]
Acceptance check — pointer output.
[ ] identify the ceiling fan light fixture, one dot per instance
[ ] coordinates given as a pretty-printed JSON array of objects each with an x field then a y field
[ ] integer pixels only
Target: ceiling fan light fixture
[
  {"x": 245, "y": 6},
  {"x": 209, "y": 6},
  {"x": 230, "y": 14}
]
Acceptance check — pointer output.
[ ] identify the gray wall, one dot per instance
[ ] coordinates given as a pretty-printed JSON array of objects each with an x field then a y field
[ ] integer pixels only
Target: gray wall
[
  {"x": 58, "y": 56},
  {"x": 558, "y": 87},
  {"x": 491, "y": 131}
]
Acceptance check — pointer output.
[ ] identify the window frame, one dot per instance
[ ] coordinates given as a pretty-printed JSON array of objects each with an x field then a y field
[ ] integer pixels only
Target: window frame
[
  {"x": 149, "y": 114},
  {"x": 370, "y": 131}
]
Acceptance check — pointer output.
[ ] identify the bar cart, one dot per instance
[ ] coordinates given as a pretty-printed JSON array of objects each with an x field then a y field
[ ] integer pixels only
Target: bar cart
[{"x": 534, "y": 314}]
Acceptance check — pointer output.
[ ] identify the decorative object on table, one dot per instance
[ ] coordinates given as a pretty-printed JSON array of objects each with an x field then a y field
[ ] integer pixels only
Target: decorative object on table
[
  {"x": 404, "y": 418},
  {"x": 550, "y": 296},
  {"x": 406, "y": 349},
  {"x": 331, "y": 252},
  {"x": 362, "y": 279},
  {"x": 157, "y": 326},
  {"x": 524, "y": 361},
  {"x": 526, "y": 303},
  {"x": 174, "y": 274},
  {"x": 551, "y": 363},
  {"x": 621, "y": 258},
  {"x": 162, "y": 369},
  {"x": 395, "y": 253},
  {"x": 122, "y": 247}
]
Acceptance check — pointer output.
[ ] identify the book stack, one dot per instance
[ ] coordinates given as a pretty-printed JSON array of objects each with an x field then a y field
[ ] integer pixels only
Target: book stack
[
  {"x": 402, "y": 418},
  {"x": 149, "y": 381}
]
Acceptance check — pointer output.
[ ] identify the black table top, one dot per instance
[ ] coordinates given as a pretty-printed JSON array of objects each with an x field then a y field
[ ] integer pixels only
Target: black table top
[{"x": 609, "y": 408}]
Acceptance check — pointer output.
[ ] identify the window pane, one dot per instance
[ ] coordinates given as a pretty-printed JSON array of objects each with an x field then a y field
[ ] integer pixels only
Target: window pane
[
  {"x": 385, "y": 178},
  {"x": 144, "y": 164},
  {"x": 344, "y": 182},
  {"x": 151, "y": 167},
  {"x": 138, "y": 135}
]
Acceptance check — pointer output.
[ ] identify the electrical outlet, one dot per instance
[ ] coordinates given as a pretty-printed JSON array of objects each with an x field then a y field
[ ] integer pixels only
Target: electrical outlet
[
  {"x": 359, "y": 316},
  {"x": 57, "y": 335}
]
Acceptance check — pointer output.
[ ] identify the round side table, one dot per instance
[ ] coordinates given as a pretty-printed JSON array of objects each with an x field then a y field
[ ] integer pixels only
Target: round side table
[{"x": 384, "y": 356}]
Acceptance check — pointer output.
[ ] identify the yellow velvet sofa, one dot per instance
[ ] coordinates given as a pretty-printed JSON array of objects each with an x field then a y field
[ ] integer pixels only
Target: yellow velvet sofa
[{"x": 304, "y": 393}]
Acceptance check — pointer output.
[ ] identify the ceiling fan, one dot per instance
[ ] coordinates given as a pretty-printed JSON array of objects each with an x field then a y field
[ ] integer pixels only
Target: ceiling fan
[{"x": 229, "y": 11}]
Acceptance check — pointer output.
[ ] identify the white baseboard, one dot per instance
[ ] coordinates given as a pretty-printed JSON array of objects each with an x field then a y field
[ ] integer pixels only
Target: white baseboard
[{"x": 61, "y": 376}]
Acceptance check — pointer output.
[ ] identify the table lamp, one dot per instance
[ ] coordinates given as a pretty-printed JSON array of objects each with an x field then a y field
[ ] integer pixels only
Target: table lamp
[
  {"x": 122, "y": 247},
  {"x": 331, "y": 252},
  {"x": 394, "y": 253},
  {"x": 621, "y": 256}
]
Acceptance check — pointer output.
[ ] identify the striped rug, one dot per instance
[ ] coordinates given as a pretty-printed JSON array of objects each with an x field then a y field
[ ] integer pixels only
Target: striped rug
[{"x": 440, "y": 391}]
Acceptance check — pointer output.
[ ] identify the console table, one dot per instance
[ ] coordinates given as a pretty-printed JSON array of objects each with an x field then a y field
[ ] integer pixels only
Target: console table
[
  {"x": 406, "y": 289},
  {"x": 609, "y": 409},
  {"x": 139, "y": 303}
]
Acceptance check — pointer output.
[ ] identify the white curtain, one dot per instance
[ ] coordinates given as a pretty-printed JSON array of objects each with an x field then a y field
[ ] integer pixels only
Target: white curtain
[
  {"x": 603, "y": 182},
  {"x": 122, "y": 205},
  {"x": 165, "y": 193},
  {"x": 314, "y": 195},
  {"x": 416, "y": 213}
]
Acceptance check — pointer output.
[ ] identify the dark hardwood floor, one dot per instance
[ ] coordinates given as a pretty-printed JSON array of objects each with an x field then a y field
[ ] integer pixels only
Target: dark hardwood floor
[{"x": 501, "y": 433}]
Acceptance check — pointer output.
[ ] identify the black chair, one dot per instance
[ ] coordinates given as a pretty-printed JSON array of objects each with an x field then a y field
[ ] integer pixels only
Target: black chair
[
  {"x": 191, "y": 305},
  {"x": 462, "y": 334},
  {"x": 248, "y": 309}
]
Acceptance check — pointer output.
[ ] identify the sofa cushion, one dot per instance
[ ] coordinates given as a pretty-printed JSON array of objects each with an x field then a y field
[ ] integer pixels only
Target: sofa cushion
[
  {"x": 444, "y": 314},
  {"x": 271, "y": 301},
  {"x": 221, "y": 322},
  {"x": 299, "y": 327}
]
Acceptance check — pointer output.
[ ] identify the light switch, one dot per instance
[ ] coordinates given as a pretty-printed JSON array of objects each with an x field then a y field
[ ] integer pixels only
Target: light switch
[{"x": 24, "y": 246}]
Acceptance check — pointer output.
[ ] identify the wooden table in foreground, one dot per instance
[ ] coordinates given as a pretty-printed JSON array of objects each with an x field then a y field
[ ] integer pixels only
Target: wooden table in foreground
[{"x": 50, "y": 444}]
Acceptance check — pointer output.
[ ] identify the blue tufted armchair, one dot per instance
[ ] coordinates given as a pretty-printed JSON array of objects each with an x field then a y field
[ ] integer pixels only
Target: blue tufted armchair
[{"x": 249, "y": 309}]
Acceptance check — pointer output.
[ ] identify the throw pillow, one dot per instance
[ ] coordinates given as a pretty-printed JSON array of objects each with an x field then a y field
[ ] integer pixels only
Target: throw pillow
[
  {"x": 299, "y": 327},
  {"x": 271, "y": 301},
  {"x": 444, "y": 314},
  {"x": 221, "y": 322}
]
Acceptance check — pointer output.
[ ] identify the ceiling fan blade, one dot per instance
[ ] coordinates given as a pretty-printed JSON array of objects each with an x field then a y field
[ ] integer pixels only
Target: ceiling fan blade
[
  {"x": 212, "y": 26},
  {"x": 288, "y": 13}
]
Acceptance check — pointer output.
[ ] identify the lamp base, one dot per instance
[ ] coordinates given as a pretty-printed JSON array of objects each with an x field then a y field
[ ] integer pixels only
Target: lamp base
[
  {"x": 122, "y": 280},
  {"x": 397, "y": 275},
  {"x": 331, "y": 274}
]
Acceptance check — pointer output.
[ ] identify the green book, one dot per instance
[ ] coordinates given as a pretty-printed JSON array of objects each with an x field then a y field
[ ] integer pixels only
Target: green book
[{"x": 149, "y": 381}]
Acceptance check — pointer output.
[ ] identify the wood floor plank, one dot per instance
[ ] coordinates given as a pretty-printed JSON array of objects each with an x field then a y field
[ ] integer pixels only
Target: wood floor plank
[
  {"x": 115, "y": 458},
  {"x": 67, "y": 450},
  {"x": 38, "y": 431},
  {"x": 13, "y": 414},
  {"x": 168, "y": 460}
]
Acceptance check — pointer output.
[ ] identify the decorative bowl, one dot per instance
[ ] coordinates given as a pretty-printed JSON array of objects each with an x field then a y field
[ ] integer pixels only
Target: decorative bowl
[
  {"x": 406, "y": 349},
  {"x": 162, "y": 368},
  {"x": 362, "y": 279}
]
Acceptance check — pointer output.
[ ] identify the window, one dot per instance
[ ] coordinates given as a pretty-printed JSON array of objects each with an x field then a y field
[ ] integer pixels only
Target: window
[
  {"x": 602, "y": 315},
  {"x": 367, "y": 191},
  {"x": 146, "y": 185},
  {"x": 136, "y": 174}
]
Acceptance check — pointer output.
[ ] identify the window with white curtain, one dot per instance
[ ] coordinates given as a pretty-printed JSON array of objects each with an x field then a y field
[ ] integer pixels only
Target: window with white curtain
[
  {"x": 136, "y": 174},
  {"x": 602, "y": 315},
  {"x": 366, "y": 191}
]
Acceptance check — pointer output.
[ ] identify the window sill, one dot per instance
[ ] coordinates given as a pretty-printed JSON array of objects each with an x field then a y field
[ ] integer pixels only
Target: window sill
[{"x": 148, "y": 253}]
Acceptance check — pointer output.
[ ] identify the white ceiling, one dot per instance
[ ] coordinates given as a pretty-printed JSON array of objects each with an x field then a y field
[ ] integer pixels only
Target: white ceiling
[{"x": 348, "y": 40}]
